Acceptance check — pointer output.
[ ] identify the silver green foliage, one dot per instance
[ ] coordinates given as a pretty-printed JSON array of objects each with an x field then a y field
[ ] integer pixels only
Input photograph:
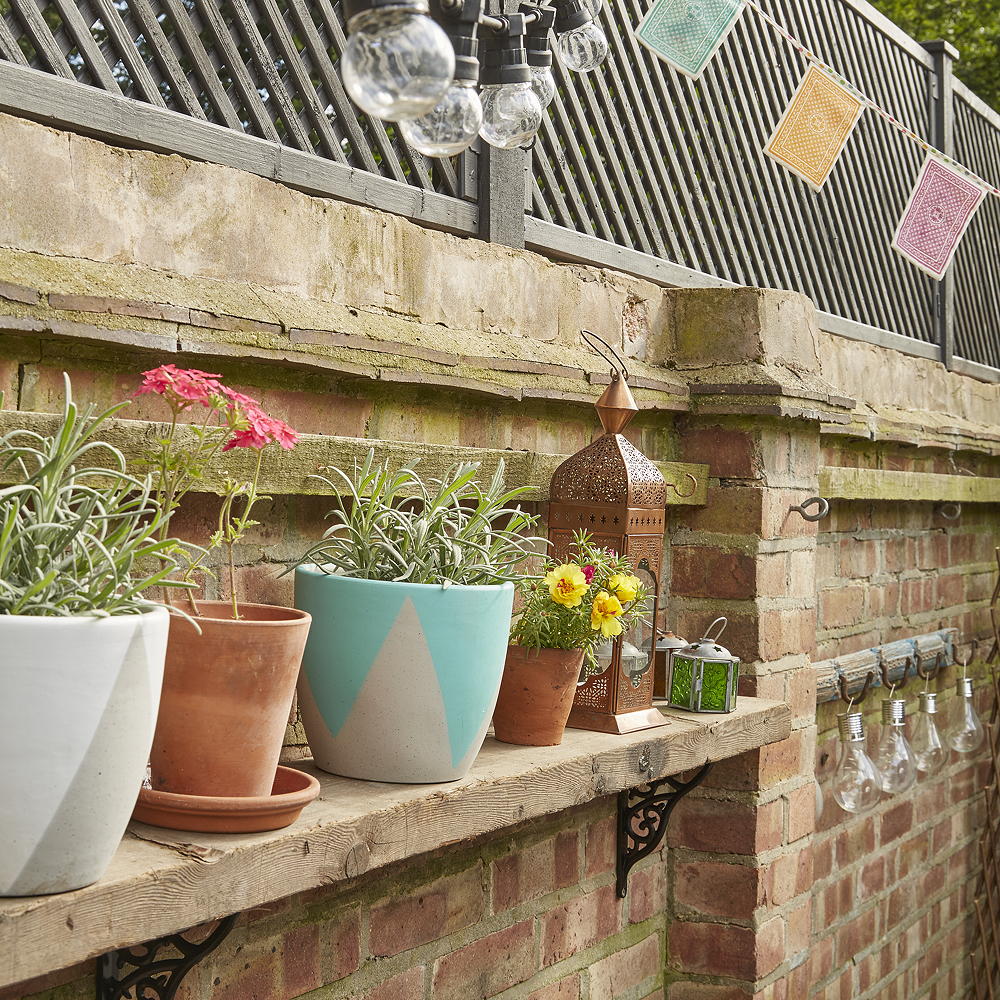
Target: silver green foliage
[
  {"x": 396, "y": 526},
  {"x": 78, "y": 534}
]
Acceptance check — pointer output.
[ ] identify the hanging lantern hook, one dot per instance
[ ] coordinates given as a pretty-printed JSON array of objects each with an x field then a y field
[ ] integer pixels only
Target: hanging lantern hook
[
  {"x": 861, "y": 695},
  {"x": 691, "y": 492},
  {"x": 887, "y": 682},
  {"x": 618, "y": 367}
]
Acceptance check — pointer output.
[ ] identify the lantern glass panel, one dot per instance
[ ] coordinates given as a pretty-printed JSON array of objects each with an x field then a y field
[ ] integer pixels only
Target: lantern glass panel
[
  {"x": 682, "y": 681},
  {"x": 715, "y": 685},
  {"x": 637, "y": 642}
]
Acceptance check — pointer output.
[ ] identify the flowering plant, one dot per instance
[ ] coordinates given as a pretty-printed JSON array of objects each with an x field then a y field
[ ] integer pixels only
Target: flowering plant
[
  {"x": 229, "y": 420},
  {"x": 580, "y": 603}
]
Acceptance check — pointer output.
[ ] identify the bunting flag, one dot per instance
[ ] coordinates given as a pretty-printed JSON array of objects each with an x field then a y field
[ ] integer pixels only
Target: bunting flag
[
  {"x": 939, "y": 211},
  {"x": 815, "y": 127},
  {"x": 687, "y": 33}
]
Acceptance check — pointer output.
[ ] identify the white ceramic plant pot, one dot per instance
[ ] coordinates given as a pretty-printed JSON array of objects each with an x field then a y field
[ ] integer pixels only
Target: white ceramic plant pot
[{"x": 78, "y": 703}]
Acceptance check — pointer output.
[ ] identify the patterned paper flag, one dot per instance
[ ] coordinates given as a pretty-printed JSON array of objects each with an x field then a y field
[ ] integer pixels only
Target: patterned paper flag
[
  {"x": 687, "y": 33},
  {"x": 938, "y": 213},
  {"x": 815, "y": 127}
]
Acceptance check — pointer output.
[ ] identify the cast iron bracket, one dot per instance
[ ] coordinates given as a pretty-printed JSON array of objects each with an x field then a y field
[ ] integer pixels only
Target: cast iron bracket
[
  {"x": 153, "y": 977},
  {"x": 643, "y": 814}
]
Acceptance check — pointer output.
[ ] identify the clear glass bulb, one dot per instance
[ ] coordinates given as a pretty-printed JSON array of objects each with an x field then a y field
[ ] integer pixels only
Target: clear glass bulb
[
  {"x": 893, "y": 756},
  {"x": 966, "y": 731},
  {"x": 930, "y": 752},
  {"x": 543, "y": 83},
  {"x": 397, "y": 63},
  {"x": 450, "y": 126},
  {"x": 511, "y": 114},
  {"x": 582, "y": 49},
  {"x": 857, "y": 784}
]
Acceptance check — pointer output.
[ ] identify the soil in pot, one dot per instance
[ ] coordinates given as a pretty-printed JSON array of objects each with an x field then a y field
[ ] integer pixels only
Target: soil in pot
[
  {"x": 226, "y": 698},
  {"x": 536, "y": 695}
]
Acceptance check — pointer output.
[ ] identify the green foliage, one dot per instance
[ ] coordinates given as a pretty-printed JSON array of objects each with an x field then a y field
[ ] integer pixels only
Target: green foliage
[
  {"x": 77, "y": 539},
  {"x": 972, "y": 26},
  {"x": 454, "y": 533},
  {"x": 545, "y": 622}
]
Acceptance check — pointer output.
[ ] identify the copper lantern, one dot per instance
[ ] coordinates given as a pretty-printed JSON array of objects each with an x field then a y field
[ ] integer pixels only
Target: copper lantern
[{"x": 613, "y": 491}]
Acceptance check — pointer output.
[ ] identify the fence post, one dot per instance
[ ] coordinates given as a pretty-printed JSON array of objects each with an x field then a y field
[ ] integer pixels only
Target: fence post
[
  {"x": 944, "y": 55},
  {"x": 502, "y": 178}
]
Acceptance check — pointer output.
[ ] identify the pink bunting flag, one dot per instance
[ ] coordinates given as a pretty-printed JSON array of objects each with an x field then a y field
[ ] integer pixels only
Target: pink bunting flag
[{"x": 938, "y": 213}]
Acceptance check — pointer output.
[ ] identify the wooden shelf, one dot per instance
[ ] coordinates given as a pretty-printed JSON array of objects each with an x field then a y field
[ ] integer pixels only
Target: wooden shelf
[
  {"x": 887, "y": 484},
  {"x": 163, "y": 881}
]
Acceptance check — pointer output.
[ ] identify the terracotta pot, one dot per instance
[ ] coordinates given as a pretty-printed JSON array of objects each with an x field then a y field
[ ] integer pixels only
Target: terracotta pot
[
  {"x": 536, "y": 695},
  {"x": 226, "y": 698}
]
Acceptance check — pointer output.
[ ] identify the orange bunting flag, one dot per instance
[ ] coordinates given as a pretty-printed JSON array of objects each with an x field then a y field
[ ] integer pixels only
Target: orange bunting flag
[{"x": 815, "y": 127}]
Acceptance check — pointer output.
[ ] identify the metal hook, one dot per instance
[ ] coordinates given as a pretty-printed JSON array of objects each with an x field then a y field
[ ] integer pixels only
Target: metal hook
[
  {"x": 933, "y": 672},
  {"x": 950, "y": 511},
  {"x": 694, "y": 486},
  {"x": 822, "y": 505},
  {"x": 861, "y": 695},
  {"x": 901, "y": 683},
  {"x": 618, "y": 367}
]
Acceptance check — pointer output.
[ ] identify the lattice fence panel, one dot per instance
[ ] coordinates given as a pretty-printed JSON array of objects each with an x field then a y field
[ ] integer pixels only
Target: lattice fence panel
[
  {"x": 264, "y": 67},
  {"x": 977, "y": 263},
  {"x": 635, "y": 154}
]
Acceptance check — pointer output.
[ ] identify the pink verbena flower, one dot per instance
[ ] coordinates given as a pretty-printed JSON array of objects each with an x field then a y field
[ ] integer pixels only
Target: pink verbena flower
[
  {"x": 588, "y": 573},
  {"x": 253, "y": 427},
  {"x": 182, "y": 387}
]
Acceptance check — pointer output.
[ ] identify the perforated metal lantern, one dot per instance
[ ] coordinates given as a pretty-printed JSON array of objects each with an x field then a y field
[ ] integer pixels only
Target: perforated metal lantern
[
  {"x": 703, "y": 676},
  {"x": 617, "y": 494}
]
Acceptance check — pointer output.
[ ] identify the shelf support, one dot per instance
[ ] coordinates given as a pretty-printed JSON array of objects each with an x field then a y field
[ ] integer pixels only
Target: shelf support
[
  {"x": 154, "y": 977},
  {"x": 643, "y": 814}
]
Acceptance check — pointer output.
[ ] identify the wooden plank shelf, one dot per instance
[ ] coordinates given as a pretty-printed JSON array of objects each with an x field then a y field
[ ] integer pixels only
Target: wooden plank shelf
[
  {"x": 886, "y": 484},
  {"x": 292, "y": 473},
  {"x": 161, "y": 881}
]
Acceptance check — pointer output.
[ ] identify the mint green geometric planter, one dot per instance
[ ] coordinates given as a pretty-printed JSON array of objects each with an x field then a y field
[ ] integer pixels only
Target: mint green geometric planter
[{"x": 399, "y": 680}]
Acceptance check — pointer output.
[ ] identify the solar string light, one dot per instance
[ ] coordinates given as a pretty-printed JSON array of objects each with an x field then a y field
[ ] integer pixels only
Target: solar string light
[{"x": 417, "y": 63}]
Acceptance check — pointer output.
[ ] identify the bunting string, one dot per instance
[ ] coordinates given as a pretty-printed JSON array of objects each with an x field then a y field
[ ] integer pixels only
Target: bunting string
[{"x": 868, "y": 102}]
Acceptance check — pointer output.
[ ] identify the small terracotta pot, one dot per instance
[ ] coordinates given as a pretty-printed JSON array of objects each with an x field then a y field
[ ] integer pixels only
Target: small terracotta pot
[
  {"x": 226, "y": 698},
  {"x": 536, "y": 695}
]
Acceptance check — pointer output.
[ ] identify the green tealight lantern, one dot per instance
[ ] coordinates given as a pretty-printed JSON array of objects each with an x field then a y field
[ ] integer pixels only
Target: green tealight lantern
[{"x": 703, "y": 675}]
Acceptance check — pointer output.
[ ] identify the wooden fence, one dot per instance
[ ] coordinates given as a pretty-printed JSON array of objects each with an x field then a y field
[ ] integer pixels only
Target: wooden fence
[{"x": 635, "y": 167}]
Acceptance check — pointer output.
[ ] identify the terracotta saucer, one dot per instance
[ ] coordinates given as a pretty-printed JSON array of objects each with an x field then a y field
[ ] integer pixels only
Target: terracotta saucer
[{"x": 292, "y": 791}]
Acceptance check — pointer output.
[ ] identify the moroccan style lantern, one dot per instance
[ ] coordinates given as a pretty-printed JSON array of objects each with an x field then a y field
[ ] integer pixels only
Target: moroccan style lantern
[
  {"x": 613, "y": 491},
  {"x": 703, "y": 676}
]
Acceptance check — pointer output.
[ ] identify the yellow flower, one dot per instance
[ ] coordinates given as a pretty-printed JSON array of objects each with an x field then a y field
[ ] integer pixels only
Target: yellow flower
[
  {"x": 625, "y": 587},
  {"x": 567, "y": 585},
  {"x": 604, "y": 615}
]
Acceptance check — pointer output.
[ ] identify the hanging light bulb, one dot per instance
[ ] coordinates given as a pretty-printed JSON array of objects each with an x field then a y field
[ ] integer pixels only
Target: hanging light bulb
[
  {"x": 966, "y": 731},
  {"x": 580, "y": 43},
  {"x": 397, "y": 63},
  {"x": 453, "y": 123},
  {"x": 512, "y": 113},
  {"x": 930, "y": 752},
  {"x": 857, "y": 784},
  {"x": 893, "y": 756},
  {"x": 543, "y": 83}
]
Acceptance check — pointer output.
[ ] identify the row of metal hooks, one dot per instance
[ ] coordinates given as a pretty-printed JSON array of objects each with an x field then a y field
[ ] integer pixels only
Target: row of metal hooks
[{"x": 916, "y": 660}]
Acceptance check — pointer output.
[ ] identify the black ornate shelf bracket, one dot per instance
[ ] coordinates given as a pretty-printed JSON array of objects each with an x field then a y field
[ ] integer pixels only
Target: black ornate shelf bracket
[
  {"x": 154, "y": 977},
  {"x": 643, "y": 814}
]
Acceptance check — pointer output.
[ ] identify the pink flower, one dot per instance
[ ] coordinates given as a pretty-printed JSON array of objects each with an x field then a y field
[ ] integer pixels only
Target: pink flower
[
  {"x": 182, "y": 387},
  {"x": 254, "y": 428},
  {"x": 588, "y": 573}
]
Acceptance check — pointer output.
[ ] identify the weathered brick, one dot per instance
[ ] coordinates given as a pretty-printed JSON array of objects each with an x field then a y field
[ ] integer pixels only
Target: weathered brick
[
  {"x": 600, "y": 851},
  {"x": 300, "y": 964},
  {"x": 647, "y": 893},
  {"x": 896, "y": 822},
  {"x": 727, "y": 950},
  {"x": 730, "y": 453},
  {"x": 624, "y": 970},
  {"x": 726, "y": 827},
  {"x": 523, "y": 875},
  {"x": 407, "y": 985},
  {"x": 719, "y": 890},
  {"x": 580, "y": 923},
  {"x": 431, "y": 912},
  {"x": 801, "y": 812},
  {"x": 701, "y": 571},
  {"x": 488, "y": 966},
  {"x": 841, "y": 606},
  {"x": 566, "y": 989}
]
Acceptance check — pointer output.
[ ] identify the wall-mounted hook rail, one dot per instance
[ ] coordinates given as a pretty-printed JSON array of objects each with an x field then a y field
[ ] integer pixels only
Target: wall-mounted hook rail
[
  {"x": 857, "y": 699},
  {"x": 889, "y": 683},
  {"x": 822, "y": 508},
  {"x": 939, "y": 662}
]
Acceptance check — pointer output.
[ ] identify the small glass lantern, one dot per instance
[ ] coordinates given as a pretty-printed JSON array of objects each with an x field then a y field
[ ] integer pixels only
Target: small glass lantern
[
  {"x": 667, "y": 644},
  {"x": 703, "y": 676}
]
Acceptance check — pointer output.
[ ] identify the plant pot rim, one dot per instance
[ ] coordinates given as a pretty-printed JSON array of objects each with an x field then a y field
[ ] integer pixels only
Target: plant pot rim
[
  {"x": 544, "y": 649},
  {"x": 313, "y": 570},
  {"x": 293, "y": 615},
  {"x": 67, "y": 620}
]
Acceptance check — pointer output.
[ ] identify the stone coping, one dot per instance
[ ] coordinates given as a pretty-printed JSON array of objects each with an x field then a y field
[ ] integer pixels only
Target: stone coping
[{"x": 161, "y": 881}]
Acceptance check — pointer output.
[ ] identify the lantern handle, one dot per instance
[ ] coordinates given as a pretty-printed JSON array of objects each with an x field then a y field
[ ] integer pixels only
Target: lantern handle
[
  {"x": 708, "y": 631},
  {"x": 618, "y": 367}
]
